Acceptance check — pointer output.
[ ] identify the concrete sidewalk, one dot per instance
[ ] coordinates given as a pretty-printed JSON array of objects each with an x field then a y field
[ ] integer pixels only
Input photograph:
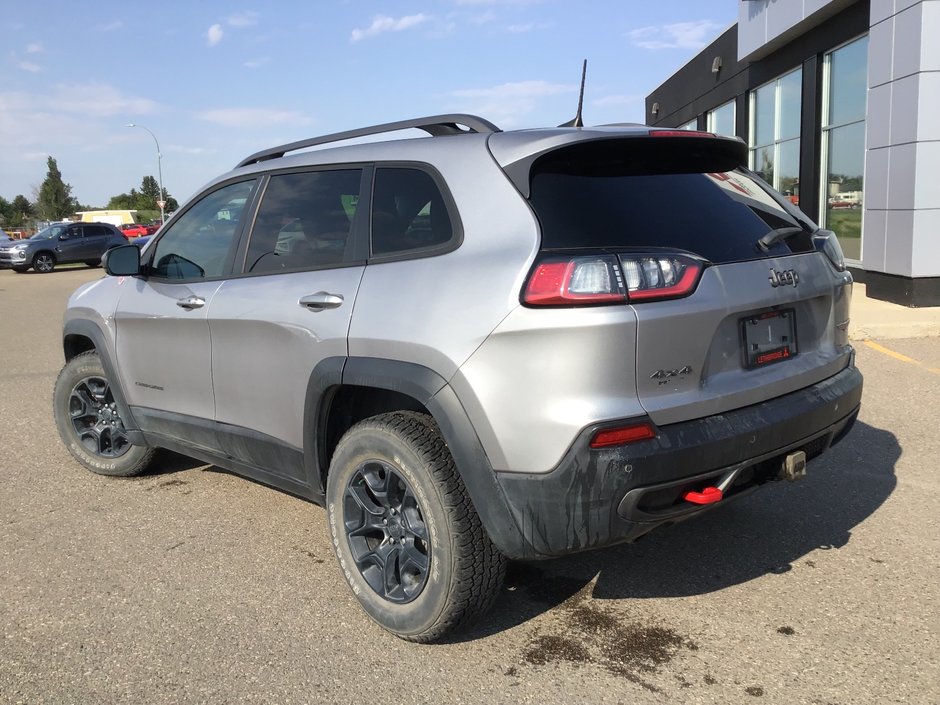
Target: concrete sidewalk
[{"x": 876, "y": 319}]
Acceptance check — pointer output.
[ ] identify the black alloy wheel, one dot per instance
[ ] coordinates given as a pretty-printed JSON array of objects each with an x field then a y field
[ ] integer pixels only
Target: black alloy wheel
[
  {"x": 386, "y": 531},
  {"x": 96, "y": 420}
]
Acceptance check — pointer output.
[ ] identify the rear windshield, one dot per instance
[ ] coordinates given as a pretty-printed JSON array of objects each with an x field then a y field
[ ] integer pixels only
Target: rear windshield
[{"x": 643, "y": 193}]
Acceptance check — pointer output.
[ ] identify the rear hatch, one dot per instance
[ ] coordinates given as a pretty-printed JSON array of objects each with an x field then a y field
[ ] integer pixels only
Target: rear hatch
[{"x": 738, "y": 297}]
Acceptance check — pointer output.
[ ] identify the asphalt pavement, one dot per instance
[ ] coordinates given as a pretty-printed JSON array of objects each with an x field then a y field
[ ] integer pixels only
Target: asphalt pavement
[{"x": 191, "y": 585}]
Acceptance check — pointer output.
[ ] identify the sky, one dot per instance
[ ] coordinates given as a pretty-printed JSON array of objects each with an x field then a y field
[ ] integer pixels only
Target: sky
[{"x": 216, "y": 81}]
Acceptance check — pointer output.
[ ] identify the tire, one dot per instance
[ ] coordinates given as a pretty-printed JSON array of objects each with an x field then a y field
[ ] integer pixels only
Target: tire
[
  {"x": 93, "y": 263},
  {"x": 89, "y": 423},
  {"x": 21, "y": 270},
  {"x": 420, "y": 562},
  {"x": 44, "y": 262}
]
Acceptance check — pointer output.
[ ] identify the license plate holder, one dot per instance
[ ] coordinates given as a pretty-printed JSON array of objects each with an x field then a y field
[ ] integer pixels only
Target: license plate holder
[{"x": 769, "y": 337}]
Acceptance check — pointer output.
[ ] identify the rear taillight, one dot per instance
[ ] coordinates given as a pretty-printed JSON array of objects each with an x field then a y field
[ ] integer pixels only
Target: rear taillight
[
  {"x": 653, "y": 277},
  {"x": 826, "y": 242},
  {"x": 566, "y": 281},
  {"x": 609, "y": 279}
]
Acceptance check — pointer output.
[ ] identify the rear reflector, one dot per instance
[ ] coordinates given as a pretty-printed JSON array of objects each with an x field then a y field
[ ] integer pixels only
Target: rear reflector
[{"x": 625, "y": 434}]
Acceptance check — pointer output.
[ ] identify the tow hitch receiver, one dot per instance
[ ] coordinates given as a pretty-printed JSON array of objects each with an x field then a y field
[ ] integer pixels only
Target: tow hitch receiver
[
  {"x": 794, "y": 466},
  {"x": 709, "y": 495}
]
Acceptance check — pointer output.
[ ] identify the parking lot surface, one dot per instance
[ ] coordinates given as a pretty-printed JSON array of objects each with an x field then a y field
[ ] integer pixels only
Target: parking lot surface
[{"x": 191, "y": 585}]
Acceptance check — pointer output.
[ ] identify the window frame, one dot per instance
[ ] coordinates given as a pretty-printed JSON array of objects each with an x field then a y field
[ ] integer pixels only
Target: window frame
[
  {"x": 777, "y": 141},
  {"x": 825, "y": 133},
  {"x": 358, "y": 230},
  {"x": 457, "y": 231},
  {"x": 147, "y": 268}
]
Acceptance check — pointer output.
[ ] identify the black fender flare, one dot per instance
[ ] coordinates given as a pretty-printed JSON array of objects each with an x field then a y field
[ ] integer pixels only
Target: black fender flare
[
  {"x": 438, "y": 397},
  {"x": 87, "y": 329}
]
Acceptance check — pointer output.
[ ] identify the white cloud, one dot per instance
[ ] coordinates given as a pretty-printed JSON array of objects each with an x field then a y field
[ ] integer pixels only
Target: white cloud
[
  {"x": 497, "y": 2},
  {"x": 382, "y": 23},
  {"x": 257, "y": 63},
  {"x": 29, "y": 66},
  {"x": 180, "y": 149},
  {"x": 243, "y": 19},
  {"x": 113, "y": 26},
  {"x": 99, "y": 99},
  {"x": 214, "y": 35},
  {"x": 527, "y": 27},
  {"x": 609, "y": 100},
  {"x": 253, "y": 117},
  {"x": 507, "y": 103},
  {"x": 680, "y": 35},
  {"x": 33, "y": 48}
]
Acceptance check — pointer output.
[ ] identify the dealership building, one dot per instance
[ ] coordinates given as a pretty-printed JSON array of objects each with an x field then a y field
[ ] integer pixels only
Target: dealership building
[{"x": 839, "y": 103}]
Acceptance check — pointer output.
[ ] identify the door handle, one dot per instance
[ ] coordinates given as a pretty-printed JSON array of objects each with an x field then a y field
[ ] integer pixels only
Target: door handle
[
  {"x": 321, "y": 300},
  {"x": 191, "y": 302}
]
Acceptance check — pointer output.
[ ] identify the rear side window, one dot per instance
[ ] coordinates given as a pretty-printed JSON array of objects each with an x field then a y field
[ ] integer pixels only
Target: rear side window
[
  {"x": 643, "y": 193},
  {"x": 408, "y": 212},
  {"x": 304, "y": 221}
]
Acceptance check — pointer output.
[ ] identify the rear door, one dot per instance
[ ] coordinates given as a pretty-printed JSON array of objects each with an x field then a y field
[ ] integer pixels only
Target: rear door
[
  {"x": 289, "y": 310},
  {"x": 722, "y": 320}
]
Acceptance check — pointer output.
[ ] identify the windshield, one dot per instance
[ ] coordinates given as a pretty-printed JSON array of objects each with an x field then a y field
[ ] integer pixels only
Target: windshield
[{"x": 49, "y": 232}]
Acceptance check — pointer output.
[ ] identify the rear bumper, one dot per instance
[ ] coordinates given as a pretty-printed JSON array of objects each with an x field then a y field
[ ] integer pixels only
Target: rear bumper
[{"x": 599, "y": 497}]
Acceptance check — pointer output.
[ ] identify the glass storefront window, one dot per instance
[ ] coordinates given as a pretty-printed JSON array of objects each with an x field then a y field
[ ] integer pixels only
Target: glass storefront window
[
  {"x": 775, "y": 132},
  {"x": 721, "y": 119},
  {"x": 843, "y": 144},
  {"x": 690, "y": 125}
]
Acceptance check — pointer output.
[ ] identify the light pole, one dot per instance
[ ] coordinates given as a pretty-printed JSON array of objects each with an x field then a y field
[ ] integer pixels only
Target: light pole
[{"x": 160, "y": 201}]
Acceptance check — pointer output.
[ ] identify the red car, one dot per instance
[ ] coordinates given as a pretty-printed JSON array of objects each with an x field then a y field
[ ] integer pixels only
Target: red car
[{"x": 135, "y": 230}]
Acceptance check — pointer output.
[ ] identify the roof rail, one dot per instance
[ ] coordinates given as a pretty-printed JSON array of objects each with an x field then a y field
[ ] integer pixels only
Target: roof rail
[{"x": 435, "y": 125}]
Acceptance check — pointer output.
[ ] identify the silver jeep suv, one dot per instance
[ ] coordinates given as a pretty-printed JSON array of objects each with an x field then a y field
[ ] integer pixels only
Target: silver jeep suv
[{"x": 473, "y": 346}]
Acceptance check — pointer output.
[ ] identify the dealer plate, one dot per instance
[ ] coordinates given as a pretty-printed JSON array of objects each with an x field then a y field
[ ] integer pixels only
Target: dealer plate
[{"x": 769, "y": 337}]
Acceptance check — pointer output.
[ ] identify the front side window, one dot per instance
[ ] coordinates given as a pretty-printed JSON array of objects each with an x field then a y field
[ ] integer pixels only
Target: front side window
[
  {"x": 198, "y": 243},
  {"x": 843, "y": 143},
  {"x": 408, "y": 212},
  {"x": 304, "y": 221},
  {"x": 775, "y": 132}
]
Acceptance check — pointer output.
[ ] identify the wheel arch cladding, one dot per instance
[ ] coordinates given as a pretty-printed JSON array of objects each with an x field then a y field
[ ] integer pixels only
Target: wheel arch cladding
[
  {"x": 376, "y": 386},
  {"x": 80, "y": 336}
]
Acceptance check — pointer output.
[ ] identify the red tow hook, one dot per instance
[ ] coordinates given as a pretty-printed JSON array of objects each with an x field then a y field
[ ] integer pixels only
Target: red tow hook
[{"x": 708, "y": 495}]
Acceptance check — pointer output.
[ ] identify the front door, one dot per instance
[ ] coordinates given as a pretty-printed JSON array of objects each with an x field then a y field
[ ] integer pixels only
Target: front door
[{"x": 162, "y": 334}]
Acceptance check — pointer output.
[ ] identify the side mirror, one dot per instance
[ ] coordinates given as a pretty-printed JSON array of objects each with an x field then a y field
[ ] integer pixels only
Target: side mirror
[{"x": 122, "y": 261}]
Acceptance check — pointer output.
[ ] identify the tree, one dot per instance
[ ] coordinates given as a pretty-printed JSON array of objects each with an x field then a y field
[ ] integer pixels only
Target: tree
[
  {"x": 5, "y": 210},
  {"x": 145, "y": 200},
  {"x": 22, "y": 209},
  {"x": 150, "y": 191},
  {"x": 55, "y": 200}
]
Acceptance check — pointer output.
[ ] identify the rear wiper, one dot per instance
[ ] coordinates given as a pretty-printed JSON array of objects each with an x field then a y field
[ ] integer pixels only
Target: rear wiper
[{"x": 776, "y": 235}]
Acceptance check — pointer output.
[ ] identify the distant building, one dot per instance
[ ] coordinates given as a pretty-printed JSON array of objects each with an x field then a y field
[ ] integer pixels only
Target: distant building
[
  {"x": 838, "y": 102},
  {"x": 115, "y": 217}
]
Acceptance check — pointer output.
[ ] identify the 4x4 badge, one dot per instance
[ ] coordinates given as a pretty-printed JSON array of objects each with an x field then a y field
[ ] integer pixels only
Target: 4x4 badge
[
  {"x": 666, "y": 374},
  {"x": 787, "y": 277}
]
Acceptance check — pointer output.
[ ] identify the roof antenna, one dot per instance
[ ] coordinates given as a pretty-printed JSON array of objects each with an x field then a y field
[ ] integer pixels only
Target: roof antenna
[{"x": 577, "y": 121}]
